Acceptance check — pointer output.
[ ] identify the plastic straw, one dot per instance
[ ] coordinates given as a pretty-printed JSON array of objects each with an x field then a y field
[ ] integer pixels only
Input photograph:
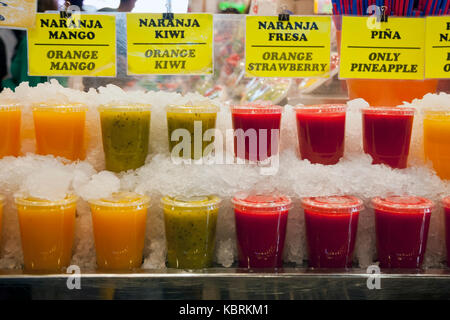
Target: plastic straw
[
  {"x": 410, "y": 8},
  {"x": 428, "y": 7}
]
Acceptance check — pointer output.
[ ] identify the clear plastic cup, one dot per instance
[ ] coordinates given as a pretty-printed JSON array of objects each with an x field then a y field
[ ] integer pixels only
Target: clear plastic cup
[
  {"x": 261, "y": 221},
  {"x": 119, "y": 230},
  {"x": 446, "y": 205},
  {"x": 331, "y": 227},
  {"x": 256, "y": 130},
  {"x": 125, "y": 135},
  {"x": 60, "y": 130},
  {"x": 10, "y": 120},
  {"x": 191, "y": 119},
  {"x": 190, "y": 225},
  {"x": 47, "y": 232},
  {"x": 321, "y": 132},
  {"x": 387, "y": 135},
  {"x": 402, "y": 224},
  {"x": 436, "y": 139}
]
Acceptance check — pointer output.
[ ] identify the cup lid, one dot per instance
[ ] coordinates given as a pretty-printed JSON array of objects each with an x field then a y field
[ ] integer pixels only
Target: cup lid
[
  {"x": 398, "y": 111},
  {"x": 24, "y": 200},
  {"x": 210, "y": 201},
  {"x": 403, "y": 204},
  {"x": 436, "y": 111},
  {"x": 257, "y": 108},
  {"x": 261, "y": 201},
  {"x": 124, "y": 107},
  {"x": 446, "y": 202},
  {"x": 193, "y": 108},
  {"x": 10, "y": 107},
  {"x": 122, "y": 199},
  {"x": 321, "y": 108},
  {"x": 63, "y": 107},
  {"x": 333, "y": 204}
]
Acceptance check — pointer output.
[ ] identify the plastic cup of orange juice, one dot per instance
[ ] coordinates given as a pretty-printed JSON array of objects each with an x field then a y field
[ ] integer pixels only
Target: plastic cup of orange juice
[
  {"x": 47, "y": 232},
  {"x": 436, "y": 139},
  {"x": 10, "y": 116},
  {"x": 119, "y": 230},
  {"x": 60, "y": 130}
]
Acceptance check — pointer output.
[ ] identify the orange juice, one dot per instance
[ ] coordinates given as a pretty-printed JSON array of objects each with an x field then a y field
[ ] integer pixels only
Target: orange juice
[
  {"x": 436, "y": 139},
  {"x": 2, "y": 200},
  {"x": 60, "y": 131},
  {"x": 10, "y": 116},
  {"x": 119, "y": 230},
  {"x": 47, "y": 231},
  {"x": 387, "y": 93}
]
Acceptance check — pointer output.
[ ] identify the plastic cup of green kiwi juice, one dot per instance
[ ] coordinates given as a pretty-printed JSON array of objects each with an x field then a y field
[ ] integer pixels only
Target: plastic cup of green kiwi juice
[{"x": 125, "y": 135}]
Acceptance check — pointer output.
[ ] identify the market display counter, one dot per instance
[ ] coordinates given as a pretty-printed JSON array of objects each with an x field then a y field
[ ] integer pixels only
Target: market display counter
[
  {"x": 236, "y": 284},
  {"x": 329, "y": 166}
]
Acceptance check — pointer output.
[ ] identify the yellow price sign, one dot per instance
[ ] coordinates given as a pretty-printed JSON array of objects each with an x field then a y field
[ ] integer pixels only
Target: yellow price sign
[
  {"x": 437, "y": 56},
  {"x": 299, "y": 47},
  {"x": 384, "y": 50},
  {"x": 182, "y": 44},
  {"x": 17, "y": 13},
  {"x": 82, "y": 45}
]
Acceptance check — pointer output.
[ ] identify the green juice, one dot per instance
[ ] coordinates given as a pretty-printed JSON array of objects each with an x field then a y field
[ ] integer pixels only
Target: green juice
[
  {"x": 184, "y": 117},
  {"x": 125, "y": 134},
  {"x": 190, "y": 226}
]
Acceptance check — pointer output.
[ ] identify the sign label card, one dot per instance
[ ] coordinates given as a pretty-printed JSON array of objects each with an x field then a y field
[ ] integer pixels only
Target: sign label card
[
  {"x": 437, "y": 58},
  {"x": 180, "y": 45},
  {"x": 18, "y": 13},
  {"x": 299, "y": 47},
  {"x": 82, "y": 45},
  {"x": 395, "y": 50}
]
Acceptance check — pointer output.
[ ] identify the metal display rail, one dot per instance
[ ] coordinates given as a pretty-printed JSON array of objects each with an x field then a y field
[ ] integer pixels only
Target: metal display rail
[{"x": 230, "y": 283}]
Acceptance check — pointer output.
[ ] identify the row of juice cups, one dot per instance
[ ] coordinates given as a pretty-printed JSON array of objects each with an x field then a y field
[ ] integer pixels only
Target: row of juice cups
[
  {"x": 321, "y": 132},
  {"x": 386, "y": 133},
  {"x": 119, "y": 223}
]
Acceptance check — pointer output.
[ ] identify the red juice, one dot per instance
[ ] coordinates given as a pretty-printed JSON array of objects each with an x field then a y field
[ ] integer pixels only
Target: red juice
[
  {"x": 256, "y": 131},
  {"x": 321, "y": 133},
  {"x": 387, "y": 135},
  {"x": 401, "y": 224},
  {"x": 261, "y": 229},
  {"x": 331, "y": 226},
  {"x": 446, "y": 205}
]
